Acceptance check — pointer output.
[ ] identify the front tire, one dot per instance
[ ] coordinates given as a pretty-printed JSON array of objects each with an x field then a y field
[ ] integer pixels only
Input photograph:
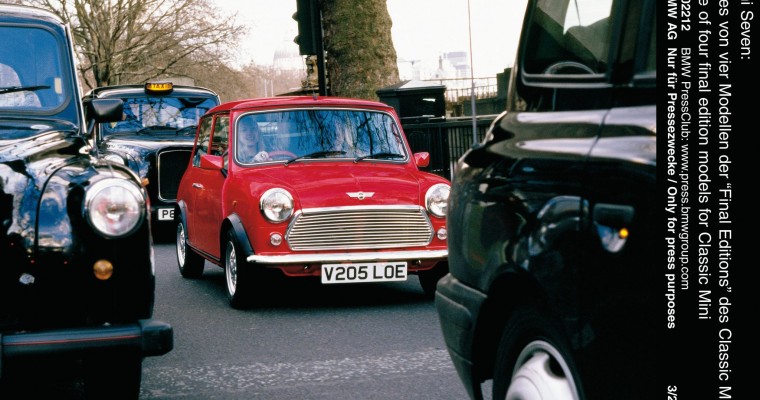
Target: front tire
[
  {"x": 531, "y": 362},
  {"x": 189, "y": 262},
  {"x": 237, "y": 274}
]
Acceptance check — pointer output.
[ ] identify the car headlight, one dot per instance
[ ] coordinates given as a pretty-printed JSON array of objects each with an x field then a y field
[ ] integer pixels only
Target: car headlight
[
  {"x": 437, "y": 199},
  {"x": 114, "y": 207},
  {"x": 115, "y": 158},
  {"x": 276, "y": 204}
]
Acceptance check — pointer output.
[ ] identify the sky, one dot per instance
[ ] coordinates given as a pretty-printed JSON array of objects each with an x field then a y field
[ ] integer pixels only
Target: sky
[{"x": 422, "y": 29}]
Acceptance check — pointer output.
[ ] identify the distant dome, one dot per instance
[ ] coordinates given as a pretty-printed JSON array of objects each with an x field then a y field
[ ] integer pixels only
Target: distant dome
[{"x": 287, "y": 57}]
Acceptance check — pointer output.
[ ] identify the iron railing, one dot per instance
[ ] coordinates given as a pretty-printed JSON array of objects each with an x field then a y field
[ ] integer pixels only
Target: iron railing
[{"x": 446, "y": 139}]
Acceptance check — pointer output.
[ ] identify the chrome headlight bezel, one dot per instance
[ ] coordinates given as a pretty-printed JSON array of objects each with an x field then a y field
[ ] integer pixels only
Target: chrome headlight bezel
[
  {"x": 276, "y": 205},
  {"x": 114, "y": 207},
  {"x": 437, "y": 199},
  {"x": 115, "y": 158}
]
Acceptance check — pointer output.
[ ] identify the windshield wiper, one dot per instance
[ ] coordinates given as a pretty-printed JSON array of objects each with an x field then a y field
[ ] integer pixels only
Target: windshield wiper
[
  {"x": 155, "y": 128},
  {"x": 317, "y": 154},
  {"x": 379, "y": 155},
  {"x": 11, "y": 89},
  {"x": 187, "y": 130}
]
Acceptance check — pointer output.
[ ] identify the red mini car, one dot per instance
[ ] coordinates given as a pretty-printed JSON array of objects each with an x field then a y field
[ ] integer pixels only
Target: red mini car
[{"x": 310, "y": 186}]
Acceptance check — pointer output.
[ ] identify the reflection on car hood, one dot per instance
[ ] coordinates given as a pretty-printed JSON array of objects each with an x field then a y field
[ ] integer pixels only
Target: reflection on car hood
[
  {"x": 28, "y": 167},
  {"x": 21, "y": 140},
  {"x": 326, "y": 184},
  {"x": 148, "y": 142}
]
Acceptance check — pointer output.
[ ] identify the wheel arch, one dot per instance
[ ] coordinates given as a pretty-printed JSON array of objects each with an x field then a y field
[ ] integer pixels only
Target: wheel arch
[
  {"x": 507, "y": 292},
  {"x": 234, "y": 224}
]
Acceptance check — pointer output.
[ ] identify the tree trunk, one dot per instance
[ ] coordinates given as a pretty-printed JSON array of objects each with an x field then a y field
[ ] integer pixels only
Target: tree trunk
[{"x": 360, "y": 56}]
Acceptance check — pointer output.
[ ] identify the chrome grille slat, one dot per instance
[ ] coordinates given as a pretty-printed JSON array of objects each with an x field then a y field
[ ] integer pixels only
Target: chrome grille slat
[{"x": 359, "y": 228}]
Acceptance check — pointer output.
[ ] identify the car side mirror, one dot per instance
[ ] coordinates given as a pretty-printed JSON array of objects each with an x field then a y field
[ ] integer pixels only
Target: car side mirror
[
  {"x": 104, "y": 110},
  {"x": 214, "y": 163},
  {"x": 422, "y": 159}
]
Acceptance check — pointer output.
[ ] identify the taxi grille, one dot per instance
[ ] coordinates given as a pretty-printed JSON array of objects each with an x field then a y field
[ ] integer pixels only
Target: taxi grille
[
  {"x": 171, "y": 166},
  {"x": 360, "y": 228}
]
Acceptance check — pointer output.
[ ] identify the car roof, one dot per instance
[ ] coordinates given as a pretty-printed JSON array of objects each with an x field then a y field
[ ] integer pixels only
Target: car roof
[
  {"x": 299, "y": 102},
  {"x": 137, "y": 90},
  {"x": 10, "y": 11}
]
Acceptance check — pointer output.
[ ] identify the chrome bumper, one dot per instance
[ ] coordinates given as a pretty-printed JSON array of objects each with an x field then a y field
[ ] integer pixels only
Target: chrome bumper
[{"x": 348, "y": 257}]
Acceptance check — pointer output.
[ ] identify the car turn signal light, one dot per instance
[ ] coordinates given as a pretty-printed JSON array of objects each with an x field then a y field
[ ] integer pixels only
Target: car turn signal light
[{"x": 103, "y": 269}]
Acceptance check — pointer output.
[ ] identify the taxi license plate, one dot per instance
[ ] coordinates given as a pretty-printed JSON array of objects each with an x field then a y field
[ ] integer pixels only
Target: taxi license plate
[
  {"x": 365, "y": 272},
  {"x": 165, "y": 214}
]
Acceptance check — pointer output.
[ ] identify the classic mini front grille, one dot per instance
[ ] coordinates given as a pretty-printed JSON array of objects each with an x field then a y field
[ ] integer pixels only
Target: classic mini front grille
[
  {"x": 359, "y": 228},
  {"x": 171, "y": 166}
]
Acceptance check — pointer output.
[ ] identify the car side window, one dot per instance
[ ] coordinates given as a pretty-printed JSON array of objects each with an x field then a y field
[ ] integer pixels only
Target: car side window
[
  {"x": 220, "y": 139},
  {"x": 569, "y": 37},
  {"x": 204, "y": 134}
]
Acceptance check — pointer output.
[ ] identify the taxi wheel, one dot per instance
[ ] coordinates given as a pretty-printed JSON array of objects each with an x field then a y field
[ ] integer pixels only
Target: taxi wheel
[
  {"x": 531, "y": 363},
  {"x": 237, "y": 274},
  {"x": 189, "y": 262},
  {"x": 429, "y": 279}
]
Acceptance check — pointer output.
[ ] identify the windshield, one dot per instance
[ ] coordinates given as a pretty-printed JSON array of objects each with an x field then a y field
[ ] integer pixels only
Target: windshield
[
  {"x": 30, "y": 70},
  {"x": 159, "y": 114},
  {"x": 294, "y": 135}
]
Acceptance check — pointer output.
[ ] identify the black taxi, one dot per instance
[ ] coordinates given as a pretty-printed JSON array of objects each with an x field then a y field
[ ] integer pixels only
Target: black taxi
[
  {"x": 154, "y": 137},
  {"x": 552, "y": 216},
  {"x": 77, "y": 276}
]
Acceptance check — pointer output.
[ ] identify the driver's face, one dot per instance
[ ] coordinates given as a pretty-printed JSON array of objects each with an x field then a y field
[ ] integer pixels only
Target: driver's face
[{"x": 248, "y": 137}]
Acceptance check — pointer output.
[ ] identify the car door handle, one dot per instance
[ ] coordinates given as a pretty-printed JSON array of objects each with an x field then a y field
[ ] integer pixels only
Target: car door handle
[{"x": 197, "y": 186}]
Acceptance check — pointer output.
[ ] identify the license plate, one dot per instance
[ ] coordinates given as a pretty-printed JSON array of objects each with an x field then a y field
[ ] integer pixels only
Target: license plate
[
  {"x": 367, "y": 272},
  {"x": 165, "y": 214}
]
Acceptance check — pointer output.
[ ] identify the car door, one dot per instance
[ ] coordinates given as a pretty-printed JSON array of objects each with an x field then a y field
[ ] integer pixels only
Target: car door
[
  {"x": 188, "y": 188},
  {"x": 621, "y": 281},
  {"x": 207, "y": 186}
]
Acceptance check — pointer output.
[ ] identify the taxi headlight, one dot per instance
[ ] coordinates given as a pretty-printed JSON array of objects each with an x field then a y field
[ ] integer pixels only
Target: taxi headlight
[
  {"x": 276, "y": 205},
  {"x": 114, "y": 207},
  {"x": 437, "y": 199},
  {"x": 115, "y": 158}
]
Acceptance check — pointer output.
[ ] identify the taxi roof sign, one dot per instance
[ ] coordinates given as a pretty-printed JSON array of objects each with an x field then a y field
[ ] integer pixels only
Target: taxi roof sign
[{"x": 159, "y": 87}]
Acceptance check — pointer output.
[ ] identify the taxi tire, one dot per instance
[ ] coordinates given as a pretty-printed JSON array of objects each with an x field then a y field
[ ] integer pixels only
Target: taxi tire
[
  {"x": 429, "y": 279},
  {"x": 532, "y": 362},
  {"x": 238, "y": 276},
  {"x": 190, "y": 263}
]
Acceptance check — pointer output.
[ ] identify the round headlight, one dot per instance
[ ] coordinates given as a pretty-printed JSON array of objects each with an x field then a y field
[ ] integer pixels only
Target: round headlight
[
  {"x": 277, "y": 204},
  {"x": 114, "y": 158},
  {"x": 114, "y": 207},
  {"x": 437, "y": 199}
]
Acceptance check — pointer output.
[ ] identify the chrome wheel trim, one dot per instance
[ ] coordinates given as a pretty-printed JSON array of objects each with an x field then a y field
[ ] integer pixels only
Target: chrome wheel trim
[
  {"x": 230, "y": 269},
  {"x": 534, "y": 378},
  {"x": 181, "y": 245}
]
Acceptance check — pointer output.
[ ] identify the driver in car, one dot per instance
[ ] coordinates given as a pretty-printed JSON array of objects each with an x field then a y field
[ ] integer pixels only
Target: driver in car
[{"x": 250, "y": 146}]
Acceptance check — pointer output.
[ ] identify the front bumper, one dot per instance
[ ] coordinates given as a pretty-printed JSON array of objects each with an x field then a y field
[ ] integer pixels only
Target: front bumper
[
  {"x": 348, "y": 257},
  {"x": 148, "y": 336},
  {"x": 458, "y": 307}
]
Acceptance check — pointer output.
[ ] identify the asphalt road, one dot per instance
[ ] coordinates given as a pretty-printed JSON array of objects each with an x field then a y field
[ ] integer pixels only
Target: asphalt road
[{"x": 309, "y": 341}]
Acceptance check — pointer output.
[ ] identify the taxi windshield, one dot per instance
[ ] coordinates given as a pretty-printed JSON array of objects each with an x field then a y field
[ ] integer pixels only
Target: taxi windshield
[
  {"x": 160, "y": 115},
  {"x": 30, "y": 71}
]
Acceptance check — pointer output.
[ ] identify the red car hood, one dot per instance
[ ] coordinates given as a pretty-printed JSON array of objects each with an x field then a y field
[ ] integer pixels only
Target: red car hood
[{"x": 327, "y": 184}]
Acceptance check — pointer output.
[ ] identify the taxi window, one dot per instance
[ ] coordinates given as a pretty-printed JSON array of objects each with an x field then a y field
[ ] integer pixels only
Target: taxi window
[
  {"x": 30, "y": 74},
  {"x": 146, "y": 113},
  {"x": 569, "y": 37}
]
